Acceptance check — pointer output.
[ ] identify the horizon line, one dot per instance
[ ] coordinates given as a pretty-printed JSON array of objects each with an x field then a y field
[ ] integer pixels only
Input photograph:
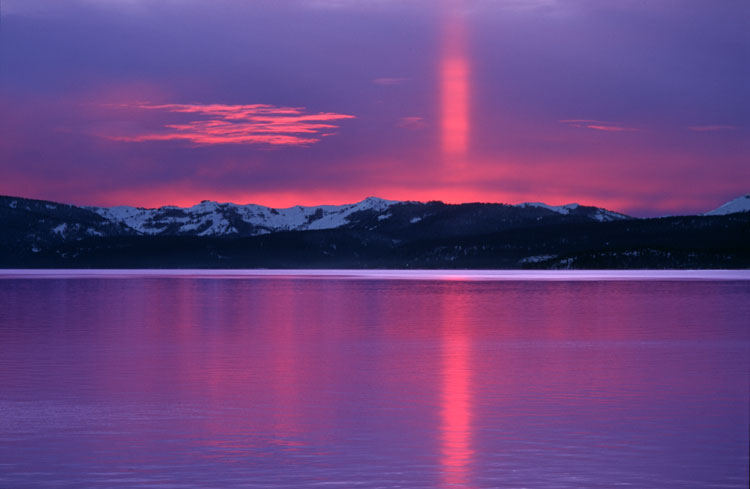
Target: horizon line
[{"x": 370, "y": 197}]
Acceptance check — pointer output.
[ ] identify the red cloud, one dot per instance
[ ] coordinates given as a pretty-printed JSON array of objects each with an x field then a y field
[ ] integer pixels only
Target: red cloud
[
  {"x": 597, "y": 125},
  {"x": 712, "y": 128},
  {"x": 412, "y": 123},
  {"x": 241, "y": 124},
  {"x": 390, "y": 81}
]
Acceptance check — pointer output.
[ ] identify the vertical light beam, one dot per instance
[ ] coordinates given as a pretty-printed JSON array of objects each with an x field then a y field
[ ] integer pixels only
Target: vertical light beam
[{"x": 454, "y": 84}]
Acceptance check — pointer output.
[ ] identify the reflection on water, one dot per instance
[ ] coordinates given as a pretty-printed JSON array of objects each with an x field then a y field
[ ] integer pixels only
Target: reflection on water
[
  {"x": 201, "y": 380},
  {"x": 456, "y": 397}
]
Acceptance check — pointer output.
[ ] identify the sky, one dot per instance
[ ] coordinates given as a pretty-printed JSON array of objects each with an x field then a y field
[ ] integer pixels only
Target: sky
[{"x": 638, "y": 106}]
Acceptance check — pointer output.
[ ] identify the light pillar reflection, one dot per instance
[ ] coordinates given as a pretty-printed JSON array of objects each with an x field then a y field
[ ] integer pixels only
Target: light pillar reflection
[{"x": 456, "y": 398}]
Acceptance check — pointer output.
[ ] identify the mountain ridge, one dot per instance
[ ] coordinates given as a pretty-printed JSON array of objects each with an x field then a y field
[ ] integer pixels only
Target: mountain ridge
[
  {"x": 210, "y": 218},
  {"x": 371, "y": 233}
]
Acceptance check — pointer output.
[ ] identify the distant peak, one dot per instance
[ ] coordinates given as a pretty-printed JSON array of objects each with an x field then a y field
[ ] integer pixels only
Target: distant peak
[
  {"x": 740, "y": 204},
  {"x": 378, "y": 201}
]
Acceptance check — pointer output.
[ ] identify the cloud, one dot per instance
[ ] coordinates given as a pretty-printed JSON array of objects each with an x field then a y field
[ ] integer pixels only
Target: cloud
[
  {"x": 412, "y": 123},
  {"x": 465, "y": 5},
  {"x": 517, "y": 5},
  {"x": 46, "y": 8},
  {"x": 597, "y": 125},
  {"x": 714, "y": 128},
  {"x": 240, "y": 124},
  {"x": 390, "y": 81}
]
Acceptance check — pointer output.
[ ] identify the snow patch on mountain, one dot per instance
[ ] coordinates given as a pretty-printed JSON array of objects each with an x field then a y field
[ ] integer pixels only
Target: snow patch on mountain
[
  {"x": 536, "y": 259},
  {"x": 740, "y": 204},
  {"x": 603, "y": 215},
  {"x": 560, "y": 209},
  {"x": 133, "y": 217},
  {"x": 60, "y": 229},
  {"x": 599, "y": 214}
]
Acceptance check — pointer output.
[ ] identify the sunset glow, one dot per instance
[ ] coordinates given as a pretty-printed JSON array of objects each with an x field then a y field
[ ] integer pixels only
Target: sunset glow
[{"x": 599, "y": 103}]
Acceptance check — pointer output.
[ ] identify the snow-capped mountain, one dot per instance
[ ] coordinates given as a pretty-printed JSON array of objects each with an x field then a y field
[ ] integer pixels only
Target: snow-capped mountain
[
  {"x": 740, "y": 204},
  {"x": 226, "y": 219},
  {"x": 218, "y": 219}
]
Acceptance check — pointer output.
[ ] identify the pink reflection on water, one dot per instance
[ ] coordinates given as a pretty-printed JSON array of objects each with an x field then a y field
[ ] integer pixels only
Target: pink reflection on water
[
  {"x": 456, "y": 401},
  {"x": 284, "y": 380},
  {"x": 364, "y": 383}
]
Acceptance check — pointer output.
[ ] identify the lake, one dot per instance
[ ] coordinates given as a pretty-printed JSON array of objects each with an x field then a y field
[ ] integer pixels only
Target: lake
[{"x": 383, "y": 379}]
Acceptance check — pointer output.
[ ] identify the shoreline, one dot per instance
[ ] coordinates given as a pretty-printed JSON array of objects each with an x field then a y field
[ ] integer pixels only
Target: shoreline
[{"x": 386, "y": 274}]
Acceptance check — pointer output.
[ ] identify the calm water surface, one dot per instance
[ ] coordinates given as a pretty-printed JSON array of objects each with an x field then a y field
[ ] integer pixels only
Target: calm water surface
[{"x": 386, "y": 381}]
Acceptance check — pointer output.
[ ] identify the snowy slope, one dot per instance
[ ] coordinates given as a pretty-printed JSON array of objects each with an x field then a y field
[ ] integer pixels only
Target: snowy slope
[
  {"x": 560, "y": 209},
  {"x": 740, "y": 204},
  {"x": 596, "y": 213}
]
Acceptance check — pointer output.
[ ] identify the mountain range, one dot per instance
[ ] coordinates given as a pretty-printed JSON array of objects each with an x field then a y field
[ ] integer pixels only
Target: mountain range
[{"x": 371, "y": 233}]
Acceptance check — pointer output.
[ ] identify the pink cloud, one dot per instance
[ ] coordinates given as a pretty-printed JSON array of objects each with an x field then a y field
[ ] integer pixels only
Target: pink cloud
[
  {"x": 390, "y": 81},
  {"x": 240, "y": 124},
  {"x": 711, "y": 128},
  {"x": 412, "y": 123},
  {"x": 597, "y": 125}
]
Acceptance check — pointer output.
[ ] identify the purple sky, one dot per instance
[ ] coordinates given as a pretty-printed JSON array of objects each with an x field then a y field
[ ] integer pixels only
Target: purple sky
[{"x": 642, "y": 107}]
